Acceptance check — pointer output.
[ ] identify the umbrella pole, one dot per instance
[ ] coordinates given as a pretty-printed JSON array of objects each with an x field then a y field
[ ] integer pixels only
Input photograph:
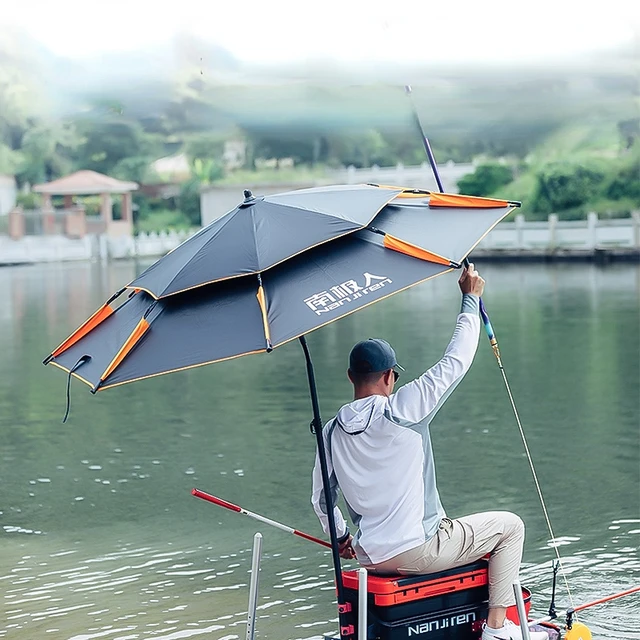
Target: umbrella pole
[{"x": 317, "y": 428}]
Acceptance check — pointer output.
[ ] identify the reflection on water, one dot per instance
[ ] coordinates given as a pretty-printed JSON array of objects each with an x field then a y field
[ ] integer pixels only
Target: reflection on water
[
  {"x": 168, "y": 593},
  {"x": 101, "y": 538}
]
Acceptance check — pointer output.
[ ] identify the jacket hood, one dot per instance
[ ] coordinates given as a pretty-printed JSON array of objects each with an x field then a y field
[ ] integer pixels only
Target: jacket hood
[{"x": 356, "y": 416}]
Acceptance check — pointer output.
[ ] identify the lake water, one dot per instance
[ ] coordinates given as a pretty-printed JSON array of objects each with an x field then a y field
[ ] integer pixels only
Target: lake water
[{"x": 100, "y": 537}]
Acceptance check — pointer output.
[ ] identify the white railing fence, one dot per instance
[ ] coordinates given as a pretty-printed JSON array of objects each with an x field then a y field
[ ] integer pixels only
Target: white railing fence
[
  {"x": 548, "y": 236},
  {"x": 565, "y": 235}
]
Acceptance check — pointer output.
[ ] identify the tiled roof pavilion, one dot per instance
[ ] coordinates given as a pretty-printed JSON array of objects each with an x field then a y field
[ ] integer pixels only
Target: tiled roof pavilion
[
  {"x": 85, "y": 183},
  {"x": 88, "y": 183}
]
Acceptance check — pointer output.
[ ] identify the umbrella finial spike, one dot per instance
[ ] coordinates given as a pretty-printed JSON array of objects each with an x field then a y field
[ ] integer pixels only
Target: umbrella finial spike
[{"x": 249, "y": 199}]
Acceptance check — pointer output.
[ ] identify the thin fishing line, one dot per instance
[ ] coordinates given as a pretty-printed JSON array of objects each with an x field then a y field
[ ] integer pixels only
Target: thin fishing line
[{"x": 533, "y": 471}]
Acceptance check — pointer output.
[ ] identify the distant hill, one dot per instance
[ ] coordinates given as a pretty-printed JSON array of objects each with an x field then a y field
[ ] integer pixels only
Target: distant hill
[
  {"x": 336, "y": 93},
  {"x": 193, "y": 87}
]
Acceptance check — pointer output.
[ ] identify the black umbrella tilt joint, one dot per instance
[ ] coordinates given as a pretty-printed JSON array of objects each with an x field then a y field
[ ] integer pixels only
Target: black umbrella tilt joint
[{"x": 346, "y": 629}]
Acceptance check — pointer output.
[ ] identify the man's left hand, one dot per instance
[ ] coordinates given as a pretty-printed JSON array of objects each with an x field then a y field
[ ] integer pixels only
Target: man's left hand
[{"x": 346, "y": 550}]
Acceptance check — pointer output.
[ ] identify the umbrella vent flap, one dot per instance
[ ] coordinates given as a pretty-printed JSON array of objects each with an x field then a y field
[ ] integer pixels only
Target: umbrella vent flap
[
  {"x": 86, "y": 327},
  {"x": 132, "y": 340},
  {"x": 467, "y": 202},
  {"x": 391, "y": 242}
]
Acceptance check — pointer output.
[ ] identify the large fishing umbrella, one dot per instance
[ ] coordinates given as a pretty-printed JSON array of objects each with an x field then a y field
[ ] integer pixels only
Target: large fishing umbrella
[
  {"x": 147, "y": 328},
  {"x": 155, "y": 326},
  {"x": 264, "y": 231}
]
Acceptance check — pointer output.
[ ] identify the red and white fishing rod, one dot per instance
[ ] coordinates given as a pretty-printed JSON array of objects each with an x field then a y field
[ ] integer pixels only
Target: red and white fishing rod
[
  {"x": 570, "y": 612},
  {"x": 278, "y": 525}
]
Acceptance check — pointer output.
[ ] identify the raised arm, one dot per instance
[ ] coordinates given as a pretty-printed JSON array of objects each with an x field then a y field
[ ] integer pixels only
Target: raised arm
[{"x": 419, "y": 400}]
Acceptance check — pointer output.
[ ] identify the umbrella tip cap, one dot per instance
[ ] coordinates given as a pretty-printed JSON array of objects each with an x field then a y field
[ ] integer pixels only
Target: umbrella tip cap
[{"x": 249, "y": 198}]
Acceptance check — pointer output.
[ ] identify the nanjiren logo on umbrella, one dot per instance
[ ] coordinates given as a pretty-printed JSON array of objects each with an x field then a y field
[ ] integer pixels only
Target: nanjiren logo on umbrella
[{"x": 348, "y": 291}]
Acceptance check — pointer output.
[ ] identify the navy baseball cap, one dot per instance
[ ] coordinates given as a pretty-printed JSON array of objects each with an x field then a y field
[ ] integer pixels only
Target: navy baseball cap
[{"x": 373, "y": 355}]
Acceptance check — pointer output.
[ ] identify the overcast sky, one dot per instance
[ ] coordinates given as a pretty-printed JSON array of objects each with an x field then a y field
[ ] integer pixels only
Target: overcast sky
[{"x": 358, "y": 30}]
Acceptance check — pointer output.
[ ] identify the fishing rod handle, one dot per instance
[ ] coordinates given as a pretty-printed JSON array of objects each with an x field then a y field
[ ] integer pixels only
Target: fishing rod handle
[
  {"x": 484, "y": 315},
  {"x": 256, "y": 516},
  {"x": 487, "y": 323}
]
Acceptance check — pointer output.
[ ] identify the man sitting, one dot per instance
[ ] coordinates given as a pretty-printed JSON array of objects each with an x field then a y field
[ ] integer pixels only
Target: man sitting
[{"x": 379, "y": 455}]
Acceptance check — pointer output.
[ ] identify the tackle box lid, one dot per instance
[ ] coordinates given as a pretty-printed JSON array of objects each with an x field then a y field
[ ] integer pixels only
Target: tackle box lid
[{"x": 393, "y": 589}]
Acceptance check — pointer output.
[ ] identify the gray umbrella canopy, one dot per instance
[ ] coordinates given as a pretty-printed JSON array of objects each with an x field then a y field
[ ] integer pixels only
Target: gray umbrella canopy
[
  {"x": 145, "y": 337},
  {"x": 272, "y": 271},
  {"x": 262, "y": 232}
]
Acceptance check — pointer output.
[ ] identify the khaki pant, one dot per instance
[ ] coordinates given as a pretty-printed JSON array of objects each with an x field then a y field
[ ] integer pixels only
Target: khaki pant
[{"x": 466, "y": 540}]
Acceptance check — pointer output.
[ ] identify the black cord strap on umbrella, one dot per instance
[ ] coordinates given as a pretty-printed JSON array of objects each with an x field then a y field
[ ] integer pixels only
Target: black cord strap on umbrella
[{"x": 75, "y": 367}]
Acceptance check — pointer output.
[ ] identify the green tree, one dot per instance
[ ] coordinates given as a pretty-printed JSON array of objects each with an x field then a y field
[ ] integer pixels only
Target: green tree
[
  {"x": 20, "y": 94},
  {"x": 136, "y": 169},
  {"x": 203, "y": 173},
  {"x": 486, "y": 179},
  {"x": 625, "y": 182},
  {"x": 205, "y": 146},
  {"x": 10, "y": 160},
  {"x": 296, "y": 143},
  {"x": 564, "y": 186},
  {"x": 206, "y": 171},
  {"x": 629, "y": 131},
  {"x": 46, "y": 151},
  {"x": 360, "y": 149},
  {"x": 109, "y": 139},
  {"x": 189, "y": 200}
]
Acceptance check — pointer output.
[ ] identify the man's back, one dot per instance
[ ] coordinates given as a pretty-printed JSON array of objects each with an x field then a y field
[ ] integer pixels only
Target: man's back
[{"x": 387, "y": 477}]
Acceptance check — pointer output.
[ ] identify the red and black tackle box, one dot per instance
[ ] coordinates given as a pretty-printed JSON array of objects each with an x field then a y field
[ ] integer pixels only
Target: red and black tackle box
[{"x": 447, "y": 605}]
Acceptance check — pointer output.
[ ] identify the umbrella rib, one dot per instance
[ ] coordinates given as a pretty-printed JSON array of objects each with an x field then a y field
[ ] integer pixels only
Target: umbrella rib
[
  {"x": 413, "y": 250},
  {"x": 262, "y": 302},
  {"x": 255, "y": 240},
  {"x": 334, "y": 216},
  {"x": 133, "y": 339},
  {"x": 86, "y": 327}
]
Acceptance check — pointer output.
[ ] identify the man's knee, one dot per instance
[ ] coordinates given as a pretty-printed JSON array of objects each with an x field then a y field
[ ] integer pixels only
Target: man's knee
[{"x": 514, "y": 524}]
